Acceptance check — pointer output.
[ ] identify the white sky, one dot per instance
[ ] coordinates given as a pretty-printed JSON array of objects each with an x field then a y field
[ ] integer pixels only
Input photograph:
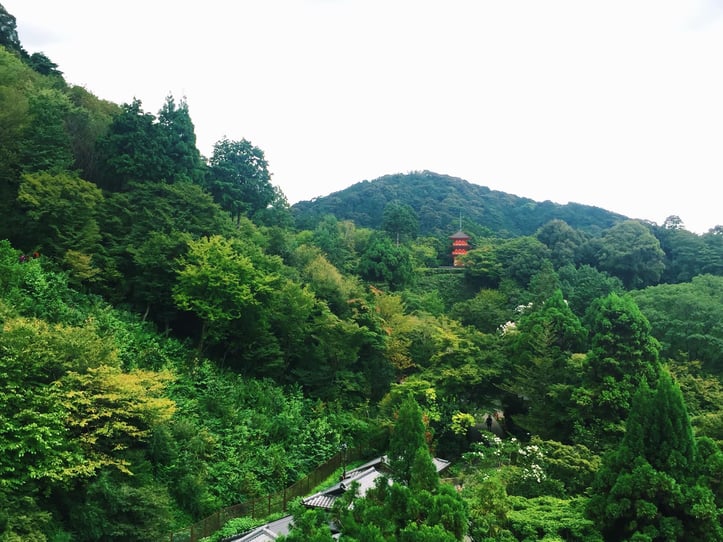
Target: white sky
[{"x": 614, "y": 103}]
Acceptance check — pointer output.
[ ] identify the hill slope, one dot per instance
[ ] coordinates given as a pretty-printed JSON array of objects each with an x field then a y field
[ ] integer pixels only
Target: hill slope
[{"x": 439, "y": 200}]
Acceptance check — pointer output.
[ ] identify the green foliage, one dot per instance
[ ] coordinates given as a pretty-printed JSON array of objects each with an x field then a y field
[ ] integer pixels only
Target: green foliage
[
  {"x": 563, "y": 241},
  {"x": 550, "y": 518},
  {"x": 61, "y": 211},
  {"x": 400, "y": 221},
  {"x": 687, "y": 319},
  {"x": 545, "y": 372},
  {"x": 387, "y": 263},
  {"x": 46, "y": 143},
  {"x": 233, "y": 527},
  {"x": 90, "y": 393},
  {"x": 438, "y": 199},
  {"x": 132, "y": 150},
  {"x": 406, "y": 440},
  {"x": 623, "y": 354},
  {"x": 239, "y": 179},
  {"x": 582, "y": 285},
  {"x": 632, "y": 253},
  {"x": 648, "y": 487},
  {"x": 391, "y": 512},
  {"x": 309, "y": 525}
]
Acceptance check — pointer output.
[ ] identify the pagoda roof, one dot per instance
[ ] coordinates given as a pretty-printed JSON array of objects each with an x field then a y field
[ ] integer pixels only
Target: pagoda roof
[{"x": 459, "y": 235}]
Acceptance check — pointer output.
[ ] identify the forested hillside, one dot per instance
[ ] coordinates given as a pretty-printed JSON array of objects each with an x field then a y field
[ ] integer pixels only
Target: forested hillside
[
  {"x": 440, "y": 200},
  {"x": 175, "y": 339}
]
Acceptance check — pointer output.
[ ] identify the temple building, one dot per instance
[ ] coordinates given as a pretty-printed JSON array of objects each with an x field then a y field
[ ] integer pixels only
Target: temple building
[{"x": 460, "y": 246}]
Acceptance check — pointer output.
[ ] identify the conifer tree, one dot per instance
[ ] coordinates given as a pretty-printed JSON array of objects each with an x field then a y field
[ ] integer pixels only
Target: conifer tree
[
  {"x": 648, "y": 489},
  {"x": 623, "y": 354},
  {"x": 406, "y": 440},
  {"x": 423, "y": 474}
]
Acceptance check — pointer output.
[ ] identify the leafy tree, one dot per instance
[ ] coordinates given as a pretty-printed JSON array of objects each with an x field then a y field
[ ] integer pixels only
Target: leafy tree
[
  {"x": 631, "y": 252},
  {"x": 551, "y": 518},
  {"x": 239, "y": 178},
  {"x": 46, "y": 144},
  {"x": 521, "y": 258},
  {"x": 325, "y": 280},
  {"x": 309, "y": 525},
  {"x": 563, "y": 241},
  {"x": 682, "y": 249},
  {"x": 61, "y": 213},
  {"x": 711, "y": 259},
  {"x": 43, "y": 65},
  {"x": 423, "y": 474},
  {"x": 687, "y": 319},
  {"x": 648, "y": 488},
  {"x": 219, "y": 285},
  {"x": 482, "y": 266},
  {"x": 400, "y": 222},
  {"x": 582, "y": 285},
  {"x": 336, "y": 240},
  {"x": 385, "y": 262},
  {"x": 144, "y": 231}
]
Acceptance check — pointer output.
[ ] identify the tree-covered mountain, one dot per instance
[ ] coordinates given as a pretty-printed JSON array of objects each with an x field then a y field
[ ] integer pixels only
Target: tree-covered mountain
[
  {"x": 440, "y": 200},
  {"x": 172, "y": 342}
]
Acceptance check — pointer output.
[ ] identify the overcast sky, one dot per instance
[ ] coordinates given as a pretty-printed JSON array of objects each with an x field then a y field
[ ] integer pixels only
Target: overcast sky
[{"x": 617, "y": 104}]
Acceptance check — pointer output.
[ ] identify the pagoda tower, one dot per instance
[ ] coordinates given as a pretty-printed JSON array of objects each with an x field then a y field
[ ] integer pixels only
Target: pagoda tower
[{"x": 460, "y": 246}]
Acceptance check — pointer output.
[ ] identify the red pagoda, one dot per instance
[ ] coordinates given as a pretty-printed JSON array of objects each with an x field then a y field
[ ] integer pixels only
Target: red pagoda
[{"x": 460, "y": 246}]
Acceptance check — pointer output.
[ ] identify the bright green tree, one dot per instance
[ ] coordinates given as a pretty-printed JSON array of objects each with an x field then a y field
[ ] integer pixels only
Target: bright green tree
[
  {"x": 220, "y": 285},
  {"x": 648, "y": 488},
  {"x": 61, "y": 213}
]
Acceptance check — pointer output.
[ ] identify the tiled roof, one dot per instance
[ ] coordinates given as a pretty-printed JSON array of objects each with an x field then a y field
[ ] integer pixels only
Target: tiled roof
[{"x": 365, "y": 476}]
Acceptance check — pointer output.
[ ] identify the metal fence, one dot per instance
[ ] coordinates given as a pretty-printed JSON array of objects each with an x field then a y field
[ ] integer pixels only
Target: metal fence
[{"x": 277, "y": 502}]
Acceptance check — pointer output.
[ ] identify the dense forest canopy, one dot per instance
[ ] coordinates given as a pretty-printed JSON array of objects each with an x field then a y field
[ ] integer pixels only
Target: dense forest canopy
[
  {"x": 439, "y": 201},
  {"x": 175, "y": 339}
]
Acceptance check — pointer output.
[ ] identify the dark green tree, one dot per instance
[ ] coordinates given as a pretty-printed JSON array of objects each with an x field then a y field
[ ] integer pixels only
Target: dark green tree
[
  {"x": 239, "y": 178},
  {"x": 179, "y": 142},
  {"x": 133, "y": 150},
  {"x": 563, "y": 241},
  {"x": 545, "y": 372},
  {"x": 385, "y": 262},
  {"x": 46, "y": 144},
  {"x": 406, "y": 440},
  {"x": 647, "y": 488},
  {"x": 400, "y": 222},
  {"x": 631, "y": 252},
  {"x": 581, "y": 285},
  {"x": 687, "y": 319},
  {"x": 521, "y": 258},
  {"x": 623, "y": 354}
]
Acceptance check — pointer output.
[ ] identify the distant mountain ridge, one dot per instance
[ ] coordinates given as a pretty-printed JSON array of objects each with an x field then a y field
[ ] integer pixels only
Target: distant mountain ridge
[{"x": 440, "y": 200}]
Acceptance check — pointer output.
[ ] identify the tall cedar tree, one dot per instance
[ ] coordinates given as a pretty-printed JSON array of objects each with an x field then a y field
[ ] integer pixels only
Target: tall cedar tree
[
  {"x": 623, "y": 354},
  {"x": 648, "y": 489},
  {"x": 406, "y": 440}
]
